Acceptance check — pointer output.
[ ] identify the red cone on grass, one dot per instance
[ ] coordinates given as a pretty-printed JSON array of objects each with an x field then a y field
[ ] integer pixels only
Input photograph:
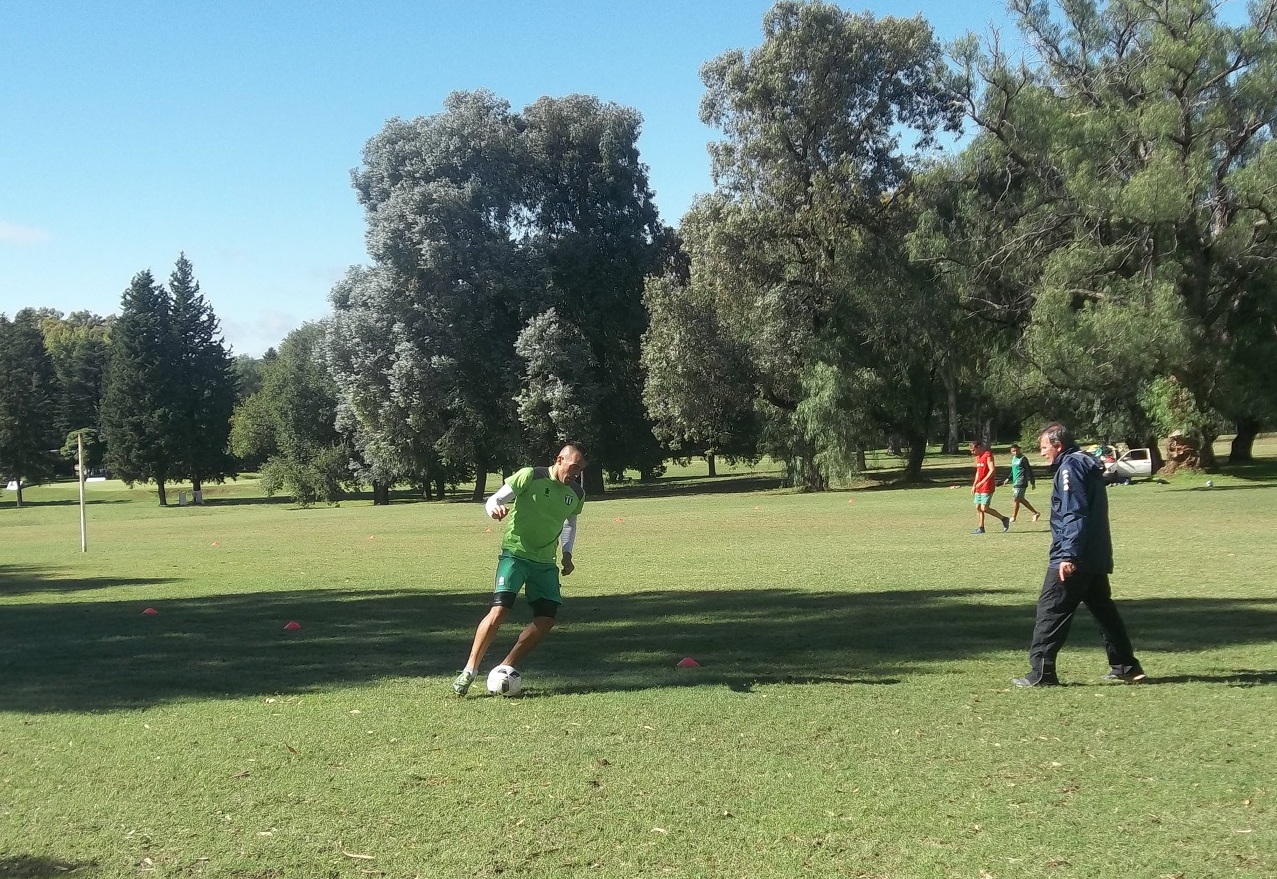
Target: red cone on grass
[
  {"x": 688, "y": 662},
  {"x": 293, "y": 624},
  {"x": 150, "y": 612}
]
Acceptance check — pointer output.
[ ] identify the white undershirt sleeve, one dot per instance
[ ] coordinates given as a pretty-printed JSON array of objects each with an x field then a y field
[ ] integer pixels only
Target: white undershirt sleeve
[
  {"x": 568, "y": 537},
  {"x": 501, "y": 497}
]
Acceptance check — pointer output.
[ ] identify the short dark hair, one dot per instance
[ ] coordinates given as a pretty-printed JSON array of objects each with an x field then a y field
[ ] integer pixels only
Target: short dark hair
[
  {"x": 1014, "y": 445},
  {"x": 1057, "y": 435}
]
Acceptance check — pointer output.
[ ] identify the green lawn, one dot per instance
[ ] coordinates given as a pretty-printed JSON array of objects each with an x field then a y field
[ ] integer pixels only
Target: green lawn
[{"x": 852, "y": 715}]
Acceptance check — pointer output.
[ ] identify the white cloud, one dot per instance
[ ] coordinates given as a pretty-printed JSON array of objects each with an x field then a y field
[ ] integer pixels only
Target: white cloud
[{"x": 12, "y": 233}]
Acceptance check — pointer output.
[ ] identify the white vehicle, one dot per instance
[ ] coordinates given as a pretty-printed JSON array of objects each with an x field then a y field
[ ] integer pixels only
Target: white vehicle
[{"x": 1131, "y": 464}]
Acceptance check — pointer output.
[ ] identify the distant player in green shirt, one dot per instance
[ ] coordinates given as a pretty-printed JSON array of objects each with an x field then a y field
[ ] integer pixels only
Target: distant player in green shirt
[
  {"x": 541, "y": 504},
  {"x": 1021, "y": 478}
]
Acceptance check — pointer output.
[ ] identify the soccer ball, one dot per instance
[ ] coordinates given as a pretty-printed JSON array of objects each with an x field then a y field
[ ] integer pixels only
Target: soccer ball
[{"x": 504, "y": 680}]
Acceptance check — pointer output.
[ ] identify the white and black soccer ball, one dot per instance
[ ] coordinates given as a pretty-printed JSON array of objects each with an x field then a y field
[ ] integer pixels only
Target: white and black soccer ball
[{"x": 504, "y": 680}]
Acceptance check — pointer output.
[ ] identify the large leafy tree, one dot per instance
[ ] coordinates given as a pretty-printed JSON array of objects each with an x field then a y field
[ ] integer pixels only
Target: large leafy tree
[
  {"x": 699, "y": 387},
  {"x": 388, "y": 395},
  {"x": 28, "y": 402},
  {"x": 797, "y": 245},
  {"x": 485, "y": 226},
  {"x": 78, "y": 346},
  {"x": 205, "y": 381},
  {"x": 422, "y": 343},
  {"x": 141, "y": 403},
  {"x": 595, "y": 236},
  {"x": 290, "y": 422},
  {"x": 1137, "y": 165}
]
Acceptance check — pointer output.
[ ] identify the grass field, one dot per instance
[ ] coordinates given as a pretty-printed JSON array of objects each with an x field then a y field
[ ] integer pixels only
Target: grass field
[{"x": 852, "y": 715}]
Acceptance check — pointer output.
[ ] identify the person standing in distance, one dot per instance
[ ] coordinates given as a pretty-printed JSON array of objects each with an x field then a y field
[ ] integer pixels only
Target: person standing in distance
[
  {"x": 982, "y": 487},
  {"x": 1021, "y": 478},
  {"x": 1080, "y": 563},
  {"x": 542, "y": 504}
]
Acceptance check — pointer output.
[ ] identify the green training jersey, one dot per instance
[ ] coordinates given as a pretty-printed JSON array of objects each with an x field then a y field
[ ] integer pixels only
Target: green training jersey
[
  {"x": 541, "y": 505},
  {"x": 1020, "y": 470}
]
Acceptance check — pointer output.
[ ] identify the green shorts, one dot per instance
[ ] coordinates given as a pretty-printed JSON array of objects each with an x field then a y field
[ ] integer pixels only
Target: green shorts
[
  {"x": 983, "y": 498},
  {"x": 541, "y": 580}
]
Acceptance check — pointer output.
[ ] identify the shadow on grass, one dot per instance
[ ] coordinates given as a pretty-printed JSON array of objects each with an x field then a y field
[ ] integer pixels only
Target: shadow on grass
[
  {"x": 1241, "y": 677},
  {"x": 695, "y": 485},
  {"x": 1215, "y": 488},
  {"x": 37, "y": 867},
  {"x": 64, "y": 502},
  {"x": 15, "y": 580},
  {"x": 106, "y": 655}
]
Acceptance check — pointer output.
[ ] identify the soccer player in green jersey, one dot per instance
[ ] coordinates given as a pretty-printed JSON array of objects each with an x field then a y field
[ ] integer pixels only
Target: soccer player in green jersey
[
  {"x": 1021, "y": 478},
  {"x": 542, "y": 504}
]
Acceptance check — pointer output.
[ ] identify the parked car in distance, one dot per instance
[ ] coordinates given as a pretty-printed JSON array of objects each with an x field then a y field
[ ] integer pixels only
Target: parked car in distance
[{"x": 1131, "y": 464}]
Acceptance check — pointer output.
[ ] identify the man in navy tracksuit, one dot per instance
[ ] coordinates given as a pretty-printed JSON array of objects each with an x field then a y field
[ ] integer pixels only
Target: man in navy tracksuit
[{"x": 1081, "y": 561}]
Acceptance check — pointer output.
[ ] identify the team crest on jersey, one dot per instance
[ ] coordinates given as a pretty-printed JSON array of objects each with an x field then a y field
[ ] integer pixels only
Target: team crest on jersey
[{"x": 568, "y": 500}]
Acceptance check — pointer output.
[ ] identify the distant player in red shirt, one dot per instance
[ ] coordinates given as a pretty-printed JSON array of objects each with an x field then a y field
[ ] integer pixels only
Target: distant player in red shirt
[{"x": 982, "y": 487}]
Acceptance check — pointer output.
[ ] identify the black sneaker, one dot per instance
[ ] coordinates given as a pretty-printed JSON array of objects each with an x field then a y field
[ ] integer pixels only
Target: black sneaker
[
  {"x": 1134, "y": 677},
  {"x": 1031, "y": 680},
  {"x": 1006, "y": 524}
]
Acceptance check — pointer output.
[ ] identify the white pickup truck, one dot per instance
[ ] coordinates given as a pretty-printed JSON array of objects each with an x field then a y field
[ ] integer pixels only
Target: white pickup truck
[{"x": 1131, "y": 464}]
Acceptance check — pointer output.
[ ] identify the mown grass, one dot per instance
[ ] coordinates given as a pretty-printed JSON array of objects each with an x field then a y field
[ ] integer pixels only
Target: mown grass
[{"x": 852, "y": 715}]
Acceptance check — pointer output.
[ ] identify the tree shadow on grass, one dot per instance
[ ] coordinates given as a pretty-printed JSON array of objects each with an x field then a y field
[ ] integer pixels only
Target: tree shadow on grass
[
  {"x": 695, "y": 485},
  {"x": 1215, "y": 488},
  {"x": 16, "y": 580},
  {"x": 63, "y": 502},
  {"x": 102, "y": 655},
  {"x": 38, "y": 867}
]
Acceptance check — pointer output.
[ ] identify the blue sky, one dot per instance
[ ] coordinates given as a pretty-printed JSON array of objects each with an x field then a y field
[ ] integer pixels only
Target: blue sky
[{"x": 131, "y": 131}]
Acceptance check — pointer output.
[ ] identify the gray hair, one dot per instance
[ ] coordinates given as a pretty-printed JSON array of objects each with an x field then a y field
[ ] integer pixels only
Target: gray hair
[{"x": 1057, "y": 434}]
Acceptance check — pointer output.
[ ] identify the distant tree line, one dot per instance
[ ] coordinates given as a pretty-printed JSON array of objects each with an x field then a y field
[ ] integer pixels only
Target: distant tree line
[{"x": 1099, "y": 248}]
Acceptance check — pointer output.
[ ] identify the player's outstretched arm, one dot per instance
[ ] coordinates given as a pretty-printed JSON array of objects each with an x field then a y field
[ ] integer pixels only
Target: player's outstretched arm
[{"x": 498, "y": 506}]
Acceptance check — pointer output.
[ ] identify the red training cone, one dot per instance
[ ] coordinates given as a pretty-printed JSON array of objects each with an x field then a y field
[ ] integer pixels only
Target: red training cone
[
  {"x": 688, "y": 662},
  {"x": 150, "y": 611},
  {"x": 293, "y": 624}
]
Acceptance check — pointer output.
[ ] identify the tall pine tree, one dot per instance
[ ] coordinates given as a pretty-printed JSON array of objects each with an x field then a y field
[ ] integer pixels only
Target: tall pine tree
[
  {"x": 140, "y": 405},
  {"x": 204, "y": 379},
  {"x": 28, "y": 402}
]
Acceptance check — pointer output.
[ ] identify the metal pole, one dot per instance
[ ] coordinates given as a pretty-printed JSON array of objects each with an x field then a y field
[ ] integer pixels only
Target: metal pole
[{"x": 84, "y": 534}]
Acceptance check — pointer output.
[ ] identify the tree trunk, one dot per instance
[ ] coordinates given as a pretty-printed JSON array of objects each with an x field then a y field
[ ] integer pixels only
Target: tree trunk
[
  {"x": 813, "y": 478},
  {"x": 951, "y": 399},
  {"x": 380, "y": 494},
  {"x": 709, "y": 459},
  {"x": 1210, "y": 464},
  {"x": 1242, "y": 449},
  {"x": 592, "y": 480},
  {"x": 440, "y": 484},
  {"x": 480, "y": 483},
  {"x": 862, "y": 463},
  {"x": 159, "y": 485},
  {"x": 18, "y": 479},
  {"x": 917, "y": 453},
  {"x": 1156, "y": 461}
]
